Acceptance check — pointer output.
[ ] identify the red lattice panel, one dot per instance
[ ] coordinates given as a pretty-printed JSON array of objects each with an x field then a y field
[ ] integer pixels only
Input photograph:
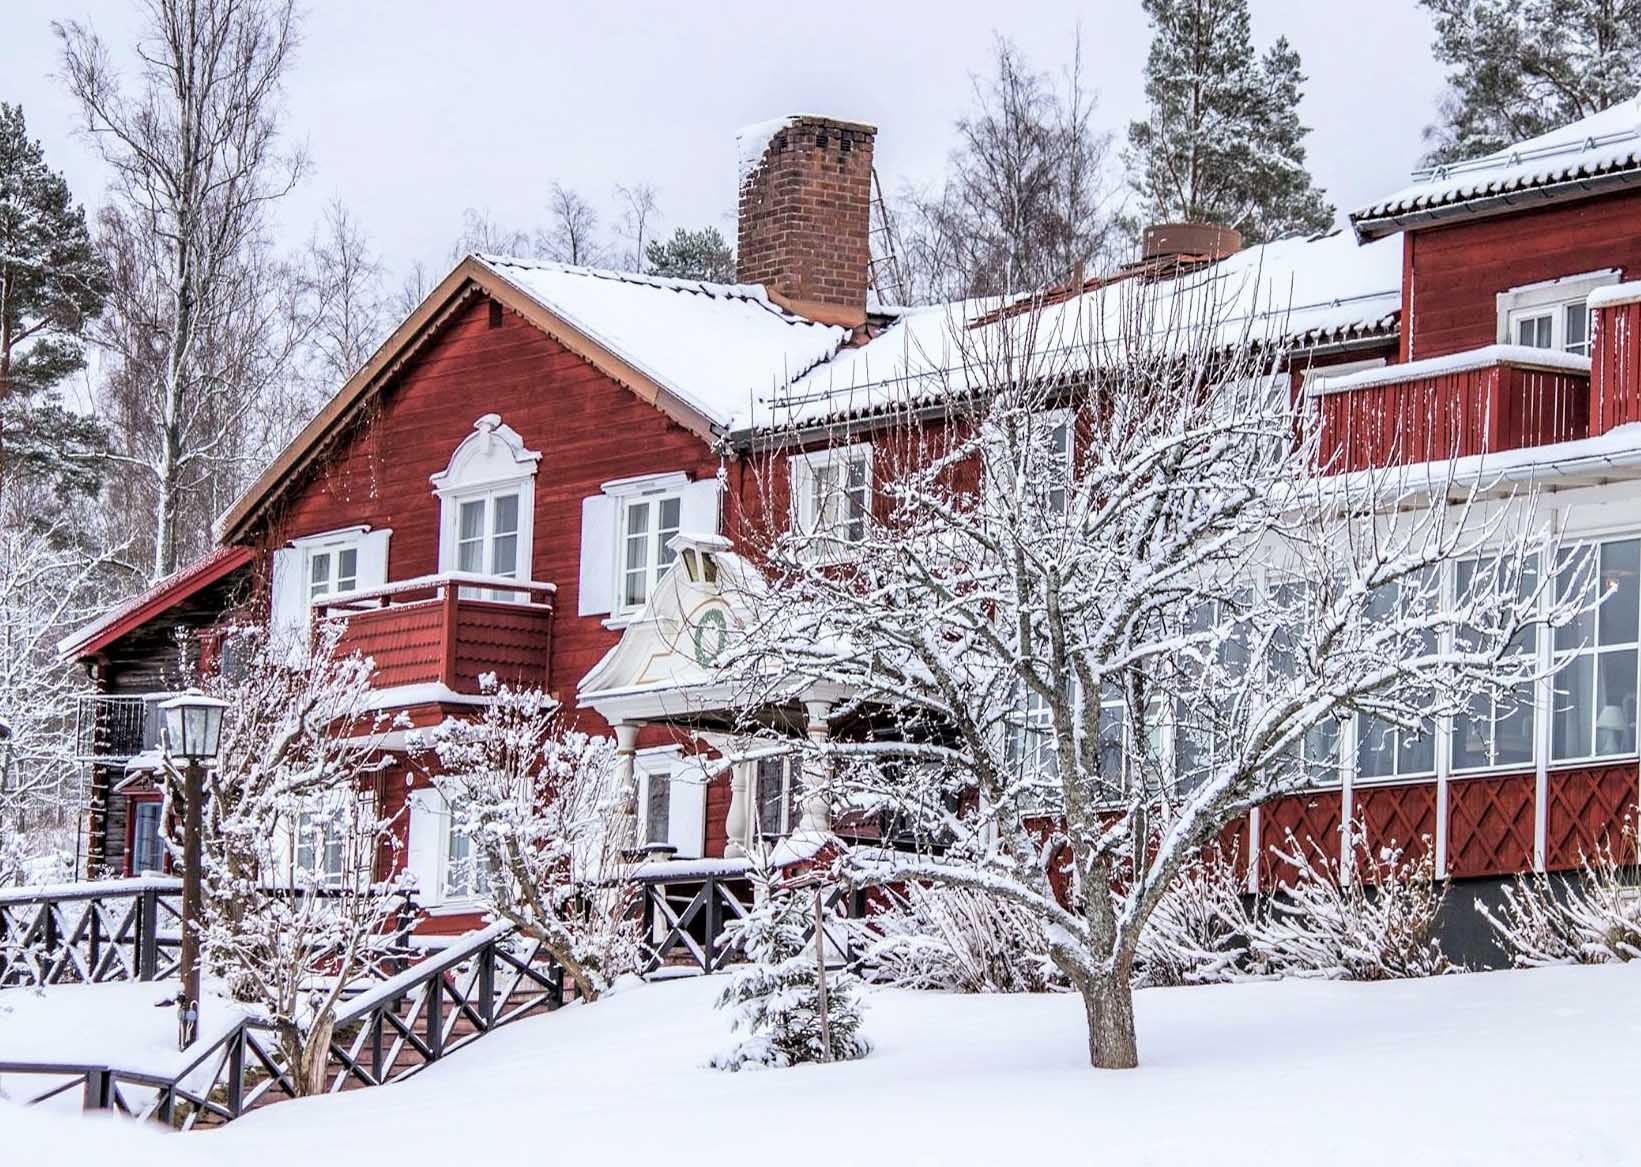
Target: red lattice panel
[
  {"x": 1232, "y": 847},
  {"x": 1588, "y": 810},
  {"x": 1490, "y": 825},
  {"x": 1304, "y": 823},
  {"x": 1395, "y": 818}
]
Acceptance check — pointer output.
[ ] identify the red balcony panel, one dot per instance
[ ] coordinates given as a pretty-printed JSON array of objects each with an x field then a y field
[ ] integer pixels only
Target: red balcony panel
[
  {"x": 1615, "y": 375},
  {"x": 1430, "y": 411},
  {"x": 446, "y": 630}
]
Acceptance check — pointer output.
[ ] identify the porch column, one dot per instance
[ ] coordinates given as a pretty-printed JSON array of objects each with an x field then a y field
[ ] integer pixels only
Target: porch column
[
  {"x": 738, "y": 821},
  {"x": 626, "y": 781},
  {"x": 817, "y": 809}
]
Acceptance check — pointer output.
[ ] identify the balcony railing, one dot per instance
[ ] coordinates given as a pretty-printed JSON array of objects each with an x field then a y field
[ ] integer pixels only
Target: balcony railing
[
  {"x": 1502, "y": 397},
  {"x": 449, "y": 630},
  {"x": 117, "y": 728}
]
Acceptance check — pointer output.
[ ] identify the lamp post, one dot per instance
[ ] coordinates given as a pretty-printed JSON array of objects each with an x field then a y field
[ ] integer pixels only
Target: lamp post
[{"x": 193, "y": 728}]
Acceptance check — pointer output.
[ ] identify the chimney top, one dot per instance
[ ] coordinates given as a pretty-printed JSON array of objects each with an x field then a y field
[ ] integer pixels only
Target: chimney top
[
  {"x": 1200, "y": 241},
  {"x": 805, "y": 214}
]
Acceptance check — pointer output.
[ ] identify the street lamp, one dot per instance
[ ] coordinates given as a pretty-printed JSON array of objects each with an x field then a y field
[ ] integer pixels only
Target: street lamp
[{"x": 193, "y": 728}]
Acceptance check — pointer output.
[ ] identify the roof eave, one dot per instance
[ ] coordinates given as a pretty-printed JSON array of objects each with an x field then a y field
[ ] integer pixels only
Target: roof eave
[{"x": 1369, "y": 227}]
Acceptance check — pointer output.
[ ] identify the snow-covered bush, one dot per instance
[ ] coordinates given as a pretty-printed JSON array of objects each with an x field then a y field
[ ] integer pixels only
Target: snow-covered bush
[
  {"x": 1199, "y": 932},
  {"x": 774, "y": 1000},
  {"x": 960, "y": 941},
  {"x": 542, "y": 809},
  {"x": 1373, "y": 920},
  {"x": 1595, "y": 919}
]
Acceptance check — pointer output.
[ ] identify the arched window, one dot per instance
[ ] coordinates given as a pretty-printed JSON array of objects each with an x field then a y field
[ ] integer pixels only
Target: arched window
[{"x": 486, "y": 506}]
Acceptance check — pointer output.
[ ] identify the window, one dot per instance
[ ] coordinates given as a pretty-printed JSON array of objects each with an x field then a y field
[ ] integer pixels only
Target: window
[
  {"x": 1497, "y": 729},
  {"x": 332, "y": 570},
  {"x": 486, "y": 505},
  {"x": 831, "y": 493},
  {"x": 465, "y": 871},
  {"x": 1030, "y": 747},
  {"x": 321, "y": 852},
  {"x": 1384, "y": 749},
  {"x": 779, "y": 794},
  {"x": 1593, "y": 709},
  {"x": 655, "y": 794},
  {"x": 147, "y": 849},
  {"x": 1551, "y": 315},
  {"x": 648, "y": 524}
]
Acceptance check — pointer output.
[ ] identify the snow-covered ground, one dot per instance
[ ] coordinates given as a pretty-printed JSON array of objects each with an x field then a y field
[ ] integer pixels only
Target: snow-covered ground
[{"x": 1536, "y": 1067}]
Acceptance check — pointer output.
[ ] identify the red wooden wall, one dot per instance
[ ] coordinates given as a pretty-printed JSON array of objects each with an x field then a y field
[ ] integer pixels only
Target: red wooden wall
[
  {"x": 1615, "y": 367},
  {"x": 1454, "y": 272}
]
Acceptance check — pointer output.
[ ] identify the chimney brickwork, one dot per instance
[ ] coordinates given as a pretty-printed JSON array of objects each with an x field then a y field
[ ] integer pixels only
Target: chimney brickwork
[{"x": 805, "y": 218}]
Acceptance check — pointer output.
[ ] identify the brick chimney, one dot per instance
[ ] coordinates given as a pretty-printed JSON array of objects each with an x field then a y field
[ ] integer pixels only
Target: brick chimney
[{"x": 805, "y": 215}]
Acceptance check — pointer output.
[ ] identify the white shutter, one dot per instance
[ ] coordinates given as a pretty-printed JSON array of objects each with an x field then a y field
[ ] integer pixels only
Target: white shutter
[
  {"x": 699, "y": 509},
  {"x": 596, "y": 593},
  {"x": 373, "y": 559},
  {"x": 424, "y": 849},
  {"x": 288, "y": 617},
  {"x": 284, "y": 851},
  {"x": 687, "y": 813}
]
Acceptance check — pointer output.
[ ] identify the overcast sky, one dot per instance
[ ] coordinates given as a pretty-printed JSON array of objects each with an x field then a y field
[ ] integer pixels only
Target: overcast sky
[{"x": 415, "y": 109}]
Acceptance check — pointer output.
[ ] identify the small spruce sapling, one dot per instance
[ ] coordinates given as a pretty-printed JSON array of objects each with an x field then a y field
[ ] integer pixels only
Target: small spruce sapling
[{"x": 774, "y": 999}]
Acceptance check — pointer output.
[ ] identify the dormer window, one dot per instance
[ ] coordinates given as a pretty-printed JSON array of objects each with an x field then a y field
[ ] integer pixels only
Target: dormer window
[
  {"x": 487, "y": 501},
  {"x": 1553, "y": 314}
]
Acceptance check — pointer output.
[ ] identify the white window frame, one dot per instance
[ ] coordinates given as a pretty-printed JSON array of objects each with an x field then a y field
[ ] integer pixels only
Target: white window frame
[
  {"x": 329, "y": 545},
  {"x": 490, "y": 463},
  {"x": 791, "y": 794},
  {"x": 1551, "y": 298},
  {"x": 806, "y": 522},
  {"x": 652, "y": 766},
  {"x": 658, "y": 556}
]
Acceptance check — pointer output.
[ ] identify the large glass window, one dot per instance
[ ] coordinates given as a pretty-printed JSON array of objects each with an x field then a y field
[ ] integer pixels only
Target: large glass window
[
  {"x": 1383, "y": 748},
  {"x": 1593, "y": 710},
  {"x": 1497, "y": 728},
  {"x": 648, "y": 524}
]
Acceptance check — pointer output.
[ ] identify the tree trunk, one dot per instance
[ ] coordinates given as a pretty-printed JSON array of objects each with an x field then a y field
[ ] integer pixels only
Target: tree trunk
[
  {"x": 313, "y": 1058},
  {"x": 1108, "y": 1003}
]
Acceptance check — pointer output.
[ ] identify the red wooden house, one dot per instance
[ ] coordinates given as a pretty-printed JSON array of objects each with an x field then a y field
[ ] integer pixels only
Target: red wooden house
[{"x": 545, "y": 473}]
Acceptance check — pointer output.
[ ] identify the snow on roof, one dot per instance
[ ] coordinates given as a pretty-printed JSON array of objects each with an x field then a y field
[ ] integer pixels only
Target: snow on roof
[
  {"x": 1305, "y": 291},
  {"x": 1603, "y": 143},
  {"x": 718, "y": 347}
]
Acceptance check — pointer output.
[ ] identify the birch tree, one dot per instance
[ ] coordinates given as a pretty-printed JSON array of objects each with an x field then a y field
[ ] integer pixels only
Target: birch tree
[
  {"x": 1075, "y": 664},
  {"x": 196, "y": 154}
]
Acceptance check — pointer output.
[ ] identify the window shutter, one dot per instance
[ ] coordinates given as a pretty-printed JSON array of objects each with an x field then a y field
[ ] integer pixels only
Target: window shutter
[
  {"x": 373, "y": 559},
  {"x": 289, "y": 612},
  {"x": 596, "y": 592},
  {"x": 424, "y": 850},
  {"x": 687, "y": 811},
  {"x": 700, "y": 507}
]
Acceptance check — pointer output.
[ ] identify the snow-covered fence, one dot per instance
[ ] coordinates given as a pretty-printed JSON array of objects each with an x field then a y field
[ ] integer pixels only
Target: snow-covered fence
[{"x": 110, "y": 930}]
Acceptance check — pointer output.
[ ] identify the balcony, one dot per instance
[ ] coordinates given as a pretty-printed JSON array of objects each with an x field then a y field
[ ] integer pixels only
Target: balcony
[
  {"x": 1488, "y": 400},
  {"x": 449, "y": 630},
  {"x": 115, "y": 729}
]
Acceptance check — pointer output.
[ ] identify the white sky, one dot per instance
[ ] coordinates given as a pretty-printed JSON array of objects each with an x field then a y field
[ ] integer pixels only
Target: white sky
[{"x": 415, "y": 109}]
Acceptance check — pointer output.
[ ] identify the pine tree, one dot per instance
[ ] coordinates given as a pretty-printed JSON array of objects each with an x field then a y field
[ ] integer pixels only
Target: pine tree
[
  {"x": 1522, "y": 67},
  {"x": 692, "y": 255},
  {"x": 774, "y": 999},
  {"x": 1223, "y": 142},
  {"x": 51, "y": 283}
]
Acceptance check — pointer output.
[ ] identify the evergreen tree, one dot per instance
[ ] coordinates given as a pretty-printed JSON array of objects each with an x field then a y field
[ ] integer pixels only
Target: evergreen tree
[
  {"x": 774, "y": 999},
  {"x": 692, "y": 255},
  {"x": 51, "y": 283},
  {"x": 1223, "y": 142},
  {"x": 1522, "y": 67}
]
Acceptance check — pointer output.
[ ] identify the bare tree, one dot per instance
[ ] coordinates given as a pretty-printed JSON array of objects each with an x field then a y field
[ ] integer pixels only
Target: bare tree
[
  {"x": 197, "y": 157},
  {"x": 571, "y": 234},
  {"x": 1113, "y": 603},
  {"x": 483, "y": 234},
  {"x": 638, "y": 210},
  {"x": 1025, "y": 200},
  {"x": 297, "y": 850},
  {"x": 352, "y": 316}
]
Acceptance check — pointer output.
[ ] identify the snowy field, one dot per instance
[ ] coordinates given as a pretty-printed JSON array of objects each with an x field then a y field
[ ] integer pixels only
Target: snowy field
[{"x": 1493, "y": 1068}]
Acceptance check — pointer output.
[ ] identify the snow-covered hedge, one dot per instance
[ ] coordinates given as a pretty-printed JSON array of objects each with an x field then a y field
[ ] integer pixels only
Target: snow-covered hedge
[
  {"x": 1198, "y": 934},
  {"x": 1595, "y": 919},
  {"x": 1375, "y": 920},
  {"x": 959, "y": 941}
]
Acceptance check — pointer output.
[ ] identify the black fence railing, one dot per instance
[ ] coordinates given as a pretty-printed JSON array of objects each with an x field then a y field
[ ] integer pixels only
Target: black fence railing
[
  {"x": 688, "y": 922},
  {"x": 117, "y": 728}
]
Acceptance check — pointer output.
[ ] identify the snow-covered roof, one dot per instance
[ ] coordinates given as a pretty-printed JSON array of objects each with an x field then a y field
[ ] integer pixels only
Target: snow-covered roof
[
  {"x": 140, "y": 608},
  {"x": 718, "y": 347},
  {"x": 1567, "y": 158},
  {"x": 1307, "y": 292}
]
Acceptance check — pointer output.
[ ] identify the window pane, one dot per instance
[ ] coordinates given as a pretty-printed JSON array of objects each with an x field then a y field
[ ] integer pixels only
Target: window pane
[
  {"x": 1375, "y": 748},
  {"x": 1418, "y": 751},
  {"x": 1619, "y": 611},
  {"x": 1534, "y": 331},
  {"x": 347, "y": 569},
  {"x": 658, "y": 806},
  {"x": 1471, "y": 733},
  {"x": 1574, "y": 583},
  {"x": 1571, "y": 709},
  {"x": 1578, "y": 328},
  {"x": 670, "y": 509},
  {"x": 146, "y": 852},
  {"x": 470, "y": 556},
  {"x": 1615, "y": 703},
  {"x": 504, "y": 554},
  {"x": 771, "y": 775},
  {"x": 470, "y": 520},
  {"x": 319, "y": 574},
  {"x": 1513, "y": 728},
  {"x": 504, "y": 516}
]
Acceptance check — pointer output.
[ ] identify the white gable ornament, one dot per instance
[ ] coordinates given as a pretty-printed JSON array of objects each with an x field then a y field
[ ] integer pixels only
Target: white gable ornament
[{"x": 493, "y": 453}]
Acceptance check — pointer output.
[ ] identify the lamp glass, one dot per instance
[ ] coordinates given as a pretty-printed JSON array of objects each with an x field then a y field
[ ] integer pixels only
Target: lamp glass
[{"x": 193, "y": 726}]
